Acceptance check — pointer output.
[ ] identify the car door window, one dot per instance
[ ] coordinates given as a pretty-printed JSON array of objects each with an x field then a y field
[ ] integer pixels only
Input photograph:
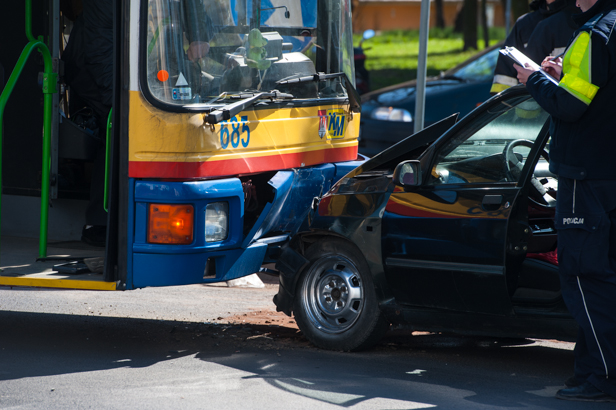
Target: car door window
[{"x": 488, "y": 152}]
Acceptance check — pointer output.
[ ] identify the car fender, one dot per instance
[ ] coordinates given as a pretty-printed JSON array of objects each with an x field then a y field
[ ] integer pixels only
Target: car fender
[
  {"x": 292, "y": 262},
  {"x": 290, "y": 265}
]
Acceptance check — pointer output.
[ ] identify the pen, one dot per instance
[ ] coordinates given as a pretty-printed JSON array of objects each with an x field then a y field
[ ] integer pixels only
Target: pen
[{"x": 560, "y": 55}]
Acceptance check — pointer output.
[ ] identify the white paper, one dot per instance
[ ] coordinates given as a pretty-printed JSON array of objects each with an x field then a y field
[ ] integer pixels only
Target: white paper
[{"x": 522, "y": 59}]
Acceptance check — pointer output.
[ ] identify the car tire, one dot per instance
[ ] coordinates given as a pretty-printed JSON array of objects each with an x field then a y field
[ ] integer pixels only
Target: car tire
[{"x": 336, "y": 307}]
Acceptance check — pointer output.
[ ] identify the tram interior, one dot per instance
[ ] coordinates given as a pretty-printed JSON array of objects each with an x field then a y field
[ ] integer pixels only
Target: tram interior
[{"x": 22, "y": 136}]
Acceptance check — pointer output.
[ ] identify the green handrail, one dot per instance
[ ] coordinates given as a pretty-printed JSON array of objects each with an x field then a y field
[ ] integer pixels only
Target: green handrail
[{"x": 50, "y": 81}]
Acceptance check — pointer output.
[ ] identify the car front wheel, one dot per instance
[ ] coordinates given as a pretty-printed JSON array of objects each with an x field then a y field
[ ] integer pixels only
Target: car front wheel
[{"x": 336, "y": 305}]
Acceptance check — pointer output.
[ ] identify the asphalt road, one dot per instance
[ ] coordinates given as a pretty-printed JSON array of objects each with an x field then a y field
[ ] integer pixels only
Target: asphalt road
[{"x": 189, "y": 348}]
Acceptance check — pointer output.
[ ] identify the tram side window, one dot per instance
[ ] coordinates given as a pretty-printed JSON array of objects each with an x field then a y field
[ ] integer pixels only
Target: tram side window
[{"x": 196, "y": 51}]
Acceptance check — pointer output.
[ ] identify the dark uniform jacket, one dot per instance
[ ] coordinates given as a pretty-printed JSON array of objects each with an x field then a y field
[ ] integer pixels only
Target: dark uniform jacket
[
  {"x": 505, "y": 75},
  {"x": 552, "y": 34},
  {"x": 582, "y": 105}
]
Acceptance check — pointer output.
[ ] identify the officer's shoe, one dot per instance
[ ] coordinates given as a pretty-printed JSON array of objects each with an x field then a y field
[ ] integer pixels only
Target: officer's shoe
[
  {"x": 584, "y": 392},
  {"x": 574, "y": 382},
  {"x": 94, "y": 235}
]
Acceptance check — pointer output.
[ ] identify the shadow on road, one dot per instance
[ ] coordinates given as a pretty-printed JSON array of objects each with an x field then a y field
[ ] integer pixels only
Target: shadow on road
[{"x": 403, "y": 371}]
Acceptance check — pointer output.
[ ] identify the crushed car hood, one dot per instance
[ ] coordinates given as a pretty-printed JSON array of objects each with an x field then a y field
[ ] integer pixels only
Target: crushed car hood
[{"x": 409, "y": 148}]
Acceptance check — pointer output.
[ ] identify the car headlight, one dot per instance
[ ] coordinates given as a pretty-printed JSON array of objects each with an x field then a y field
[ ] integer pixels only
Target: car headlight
[
  {"x": 391, "y": 114},
  {"x": 216, "y": 221}
]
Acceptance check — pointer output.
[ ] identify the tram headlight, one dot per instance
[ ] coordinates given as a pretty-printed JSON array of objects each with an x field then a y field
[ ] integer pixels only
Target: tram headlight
[{"x": 216, "y": 221}]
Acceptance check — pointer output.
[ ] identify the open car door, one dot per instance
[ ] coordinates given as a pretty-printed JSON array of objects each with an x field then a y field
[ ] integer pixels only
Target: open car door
[{"x": 446, "y": 241}]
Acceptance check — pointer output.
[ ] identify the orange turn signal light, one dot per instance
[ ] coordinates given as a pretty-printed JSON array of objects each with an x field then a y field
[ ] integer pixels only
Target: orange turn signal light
[{"x": 171, "y": 224}]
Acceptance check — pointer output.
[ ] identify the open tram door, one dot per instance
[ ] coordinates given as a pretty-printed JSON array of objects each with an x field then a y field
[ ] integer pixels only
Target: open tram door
[{"x": 228, "y": 118}]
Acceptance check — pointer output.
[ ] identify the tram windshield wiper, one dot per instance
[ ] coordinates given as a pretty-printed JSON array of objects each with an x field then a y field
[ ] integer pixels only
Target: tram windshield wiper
[
  {"x": 245, "y": 101},
  {"x": 354, "y": 98},
  {"x": 308, "y": 78}
]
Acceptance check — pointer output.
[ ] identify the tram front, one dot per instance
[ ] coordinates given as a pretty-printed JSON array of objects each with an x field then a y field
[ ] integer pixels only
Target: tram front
[{"x": 237, "y": 114}]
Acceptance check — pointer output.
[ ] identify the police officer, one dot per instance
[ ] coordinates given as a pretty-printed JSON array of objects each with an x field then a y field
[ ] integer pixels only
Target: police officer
[
  {"x": 553, "y": 33},
  {"x": 556, "y": 35},
  {"x": 582, "y": 155}
]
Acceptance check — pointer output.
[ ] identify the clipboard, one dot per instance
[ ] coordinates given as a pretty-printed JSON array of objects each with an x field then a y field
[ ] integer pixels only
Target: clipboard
[{"x": 522, "y": 59}]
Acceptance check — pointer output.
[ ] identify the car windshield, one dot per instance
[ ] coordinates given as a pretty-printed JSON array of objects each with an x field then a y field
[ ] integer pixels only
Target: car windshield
[
  {"x": 200, "y": 52},
  {"x": 482, "y": 69},
  {"x": 477, "y": 154}
]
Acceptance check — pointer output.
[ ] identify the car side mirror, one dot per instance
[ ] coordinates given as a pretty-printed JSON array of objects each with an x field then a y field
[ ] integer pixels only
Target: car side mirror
[{"x": 408, "y": 173}]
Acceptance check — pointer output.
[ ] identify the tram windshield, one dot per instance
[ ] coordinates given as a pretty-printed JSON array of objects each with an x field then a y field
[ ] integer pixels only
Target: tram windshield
[{"x": 202, "y": 53}]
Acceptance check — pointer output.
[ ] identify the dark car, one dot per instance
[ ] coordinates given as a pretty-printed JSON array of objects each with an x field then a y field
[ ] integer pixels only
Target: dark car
[
  {"x": 450, "y": 230},
  {"x": 387, "y": 114}
]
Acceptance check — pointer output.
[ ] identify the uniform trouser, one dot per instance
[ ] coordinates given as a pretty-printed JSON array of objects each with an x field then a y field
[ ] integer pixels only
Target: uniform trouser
[{"x": 586, "y": 223}]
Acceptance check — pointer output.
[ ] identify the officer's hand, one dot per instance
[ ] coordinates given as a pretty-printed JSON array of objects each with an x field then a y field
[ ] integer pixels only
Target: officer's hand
[
  {"x": 523, "y": 72},
  {"x": 553, "y": 67}
]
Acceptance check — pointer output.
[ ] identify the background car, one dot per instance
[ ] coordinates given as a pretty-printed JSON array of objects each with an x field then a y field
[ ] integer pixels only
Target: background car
[
  {"x": 450, "y": 230},
  {"x": 387, "y": 114}
]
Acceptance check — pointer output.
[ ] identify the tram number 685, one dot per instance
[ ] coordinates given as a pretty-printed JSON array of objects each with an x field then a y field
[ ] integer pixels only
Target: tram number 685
[{"x": 234, "y": 131}]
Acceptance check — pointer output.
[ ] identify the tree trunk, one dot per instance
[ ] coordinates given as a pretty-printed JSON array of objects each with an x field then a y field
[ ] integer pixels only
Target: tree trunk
[
  {"x": 440, "y": 20},
  {"x": 484, "y": 25},
  {"x": 470, "y": 25}
]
